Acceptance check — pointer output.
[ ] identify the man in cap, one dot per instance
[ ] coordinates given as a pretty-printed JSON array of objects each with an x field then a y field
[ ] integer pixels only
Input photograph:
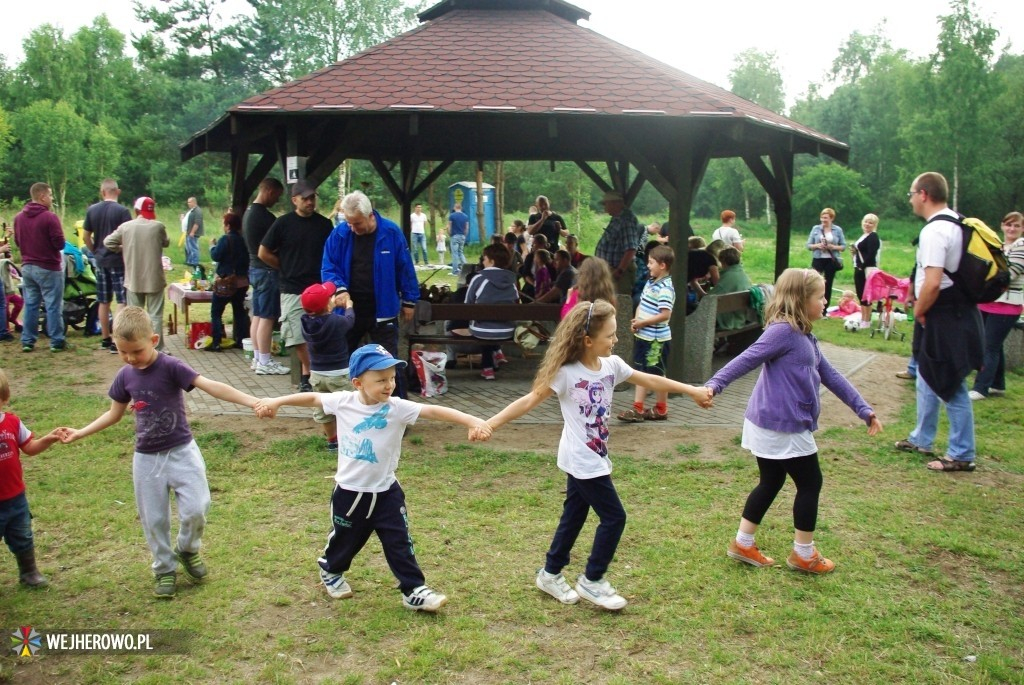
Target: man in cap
[
  {"x": 619, "y": 243},
  {"x": 40, "y": 237},
  {"x": 294, "y": 246},
  {"x": 368, "y": 259},
  {"x": 141, "y": 242},
  {"x": 102, "y": 219}
]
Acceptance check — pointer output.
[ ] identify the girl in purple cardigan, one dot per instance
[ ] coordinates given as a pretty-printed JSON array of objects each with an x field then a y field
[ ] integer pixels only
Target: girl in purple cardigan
[{"x": 783, "y": 413}]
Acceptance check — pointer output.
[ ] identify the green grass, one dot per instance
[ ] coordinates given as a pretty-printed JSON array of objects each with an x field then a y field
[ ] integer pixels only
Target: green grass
[{"x": 929, "y": 565}]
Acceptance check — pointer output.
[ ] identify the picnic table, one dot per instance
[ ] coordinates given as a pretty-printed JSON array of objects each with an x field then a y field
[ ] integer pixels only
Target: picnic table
[{"x": 182, "y": 295}]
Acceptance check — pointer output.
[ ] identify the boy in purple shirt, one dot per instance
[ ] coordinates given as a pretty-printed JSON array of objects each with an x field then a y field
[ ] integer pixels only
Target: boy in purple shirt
[{"x": 166, "y": 456}]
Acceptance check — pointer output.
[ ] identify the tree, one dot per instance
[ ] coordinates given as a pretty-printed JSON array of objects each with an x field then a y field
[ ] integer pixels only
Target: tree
[
  {"x": 829, "y": 185},
  {"x": 65, "y": 150},
  {"x": 757, "y": 78}
]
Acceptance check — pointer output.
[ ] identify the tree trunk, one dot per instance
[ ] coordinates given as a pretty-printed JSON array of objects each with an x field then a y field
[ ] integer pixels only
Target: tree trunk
[
  {"x": 481, "y": 230},
  {"x": 499, "y": 196}
]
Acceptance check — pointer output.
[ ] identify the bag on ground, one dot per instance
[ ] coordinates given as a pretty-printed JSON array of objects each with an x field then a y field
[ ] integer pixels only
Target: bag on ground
[{"x": 430, "y": 372}]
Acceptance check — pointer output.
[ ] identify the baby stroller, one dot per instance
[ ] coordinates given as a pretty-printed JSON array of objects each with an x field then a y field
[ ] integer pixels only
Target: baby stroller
[
  {"x": 81, "y": 310},
  {"x": 884, "y": 288}
]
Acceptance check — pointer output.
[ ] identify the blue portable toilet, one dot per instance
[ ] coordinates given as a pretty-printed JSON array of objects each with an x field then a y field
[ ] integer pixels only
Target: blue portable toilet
[{"x": 464, "y": 193}]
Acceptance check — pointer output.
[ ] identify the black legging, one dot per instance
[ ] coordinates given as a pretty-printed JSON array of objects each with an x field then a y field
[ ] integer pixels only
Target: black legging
[
  {"x": 806, "y": 475},
  {"x": 826, "y": 266}
]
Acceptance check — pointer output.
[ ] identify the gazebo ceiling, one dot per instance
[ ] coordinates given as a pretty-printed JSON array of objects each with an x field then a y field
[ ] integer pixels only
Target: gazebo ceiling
[{"x": 504, "y": 79}]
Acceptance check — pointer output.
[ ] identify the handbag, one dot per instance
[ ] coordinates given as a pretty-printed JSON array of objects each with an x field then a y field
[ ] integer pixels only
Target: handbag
[
  {"x": 227, "y": 286},
  {"x": 837, "y": 263}
]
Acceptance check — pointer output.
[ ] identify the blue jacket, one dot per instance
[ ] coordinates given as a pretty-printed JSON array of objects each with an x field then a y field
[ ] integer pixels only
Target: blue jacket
[{"x": 394, "y": 276}]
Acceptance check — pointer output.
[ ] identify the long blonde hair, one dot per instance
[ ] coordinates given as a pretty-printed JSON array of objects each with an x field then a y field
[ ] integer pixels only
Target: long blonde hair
[
  {"x": 789, "y": 301},
  {"x": 568, "y": 344},
  {"x": 594, "y": 280}
]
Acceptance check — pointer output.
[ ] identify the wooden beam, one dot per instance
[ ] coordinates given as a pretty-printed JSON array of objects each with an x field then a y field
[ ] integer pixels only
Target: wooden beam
[
  {"x": 782, "y": 165},
  {"x": 624, "y": 147},
  {"x": 389, "y": 181},
  {"x": 239, "y": 164},
  {"x": 593, "y": 175},
  {"x": 762, "y": 174},
  {"x": 680, "y": 201},
  {"x": 252, "y": 181},
  {"x": 634, "y": 189},
  {"x": 431, "y": 177}
]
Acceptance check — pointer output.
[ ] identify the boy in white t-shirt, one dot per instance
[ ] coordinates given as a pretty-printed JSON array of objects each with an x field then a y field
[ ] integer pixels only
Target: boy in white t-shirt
[{"x": 367, "y": 497}]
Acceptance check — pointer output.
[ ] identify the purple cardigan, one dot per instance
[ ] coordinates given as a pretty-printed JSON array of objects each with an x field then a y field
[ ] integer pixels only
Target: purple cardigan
[{"x": 785, "y": 398}]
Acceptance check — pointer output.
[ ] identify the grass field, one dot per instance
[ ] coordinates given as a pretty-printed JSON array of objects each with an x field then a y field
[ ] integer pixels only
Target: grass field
[{"x": 928, "y": 587}]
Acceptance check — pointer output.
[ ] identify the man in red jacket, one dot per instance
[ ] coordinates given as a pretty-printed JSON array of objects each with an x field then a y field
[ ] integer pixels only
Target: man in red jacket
[{"x": 39, "y": 236}]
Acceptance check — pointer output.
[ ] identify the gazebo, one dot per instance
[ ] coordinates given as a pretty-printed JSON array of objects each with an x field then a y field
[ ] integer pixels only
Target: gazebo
[{"x": 488, "y": 80}]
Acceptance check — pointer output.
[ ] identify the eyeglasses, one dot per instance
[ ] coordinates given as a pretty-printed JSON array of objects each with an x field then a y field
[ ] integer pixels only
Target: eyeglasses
[
  {"x": 590, "y": 313},
  {"x": 912, "y": 193}
]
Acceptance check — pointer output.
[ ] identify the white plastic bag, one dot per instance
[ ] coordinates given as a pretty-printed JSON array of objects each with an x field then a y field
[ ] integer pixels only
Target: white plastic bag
[{"x": 430, "y": 371}]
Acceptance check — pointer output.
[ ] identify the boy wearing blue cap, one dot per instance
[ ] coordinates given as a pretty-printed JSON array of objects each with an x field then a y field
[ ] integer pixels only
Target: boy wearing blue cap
[{"x": 367, "y": 497}]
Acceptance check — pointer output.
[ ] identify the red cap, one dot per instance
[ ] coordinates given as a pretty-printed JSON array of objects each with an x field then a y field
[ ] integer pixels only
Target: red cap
[
  {"x": 146, "y": 207},
  {"x": 316, "y": 297}
]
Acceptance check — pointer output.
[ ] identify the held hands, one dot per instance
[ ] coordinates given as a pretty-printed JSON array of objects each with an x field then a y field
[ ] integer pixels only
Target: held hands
[
  {"x": 875, "y": 427},
  {"x": 65, "y": 435},
  {"x": 342, "y": 300},
  {"x": 265, "y": 408},
  {"x": 481, "y": 432},
  {"x": 704, "y": 397}
]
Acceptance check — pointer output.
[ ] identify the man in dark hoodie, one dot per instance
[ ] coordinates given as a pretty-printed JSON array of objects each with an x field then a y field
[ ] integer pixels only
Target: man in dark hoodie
[
  {"x": 494, "y": 285},
  {"x": 39, "y": 236},
  {"x": 325, "y": 333}
]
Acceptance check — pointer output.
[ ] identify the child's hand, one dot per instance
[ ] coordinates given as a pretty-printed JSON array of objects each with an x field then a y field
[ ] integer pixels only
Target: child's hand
[
  {"x": 66, "y": 435},
  {"x": 705, "y": 397},
  {"x": 481, "y": 432},
  {"x": 875, "y": 427},
  {"x": 265, "y": 409},
  {"x": 634, "y": 325}
]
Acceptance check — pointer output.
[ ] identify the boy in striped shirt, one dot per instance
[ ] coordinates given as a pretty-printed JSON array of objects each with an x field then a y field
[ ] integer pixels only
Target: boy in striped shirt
[{"x": 653, "y": 335}]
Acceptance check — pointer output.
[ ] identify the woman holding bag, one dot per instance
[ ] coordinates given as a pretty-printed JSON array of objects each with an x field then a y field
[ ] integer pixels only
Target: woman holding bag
[
  {"x": 232, "y": 259},
  {"x": 827, "y": 243}
]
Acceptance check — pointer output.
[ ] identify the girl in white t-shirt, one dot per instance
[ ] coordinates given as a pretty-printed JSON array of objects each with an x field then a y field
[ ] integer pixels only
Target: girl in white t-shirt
[{"x": 581, "y": 370}]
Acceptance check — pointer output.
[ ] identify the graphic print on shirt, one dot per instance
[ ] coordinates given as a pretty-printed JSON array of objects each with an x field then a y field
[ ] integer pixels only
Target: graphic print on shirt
[
  {"x": 363, "y": 449},
  {"x": 594, "y": 401},
  {"x": 152, "y": 423}
]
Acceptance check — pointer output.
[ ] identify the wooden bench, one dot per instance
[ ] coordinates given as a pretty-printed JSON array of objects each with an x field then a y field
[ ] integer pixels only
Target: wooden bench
[
  {"x": 703, "y": 334},
  {"x": 429, "y": 319}
]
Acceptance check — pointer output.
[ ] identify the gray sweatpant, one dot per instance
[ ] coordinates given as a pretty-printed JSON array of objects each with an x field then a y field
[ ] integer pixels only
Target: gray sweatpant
[{"x": 182, "y": 470}]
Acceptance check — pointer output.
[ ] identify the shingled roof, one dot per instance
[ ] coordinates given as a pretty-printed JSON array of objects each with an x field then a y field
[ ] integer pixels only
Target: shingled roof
[{"x": 513, "y": 57}]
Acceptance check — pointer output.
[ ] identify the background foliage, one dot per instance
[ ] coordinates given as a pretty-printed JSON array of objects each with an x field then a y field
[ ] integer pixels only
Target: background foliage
[{"x": 123, "y": 106}]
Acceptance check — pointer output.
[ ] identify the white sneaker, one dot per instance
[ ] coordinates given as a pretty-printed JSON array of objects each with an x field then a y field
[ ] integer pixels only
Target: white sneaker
[
  {"x": 272, "y": 368},
  {"x": 336, "y": 585},
  {"x": 975, "y": 396},
  {"x": 253, "y": 364},
  {"x": 865, "y": 324},
  {"x": 600, "y": 593},
  {"x": 424, "y": 599},
  {"x": 556, "y": 587}
]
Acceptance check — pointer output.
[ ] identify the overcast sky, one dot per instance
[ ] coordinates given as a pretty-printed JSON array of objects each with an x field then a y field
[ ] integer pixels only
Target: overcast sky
[{"x": 700, "y": 38}]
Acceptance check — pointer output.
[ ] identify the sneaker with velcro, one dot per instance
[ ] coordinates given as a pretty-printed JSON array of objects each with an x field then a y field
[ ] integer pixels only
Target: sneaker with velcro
[
  {"x": 556, "y": 586},
  {"x": 599, "y": 592},
  {"x": 424, "y": 599}
]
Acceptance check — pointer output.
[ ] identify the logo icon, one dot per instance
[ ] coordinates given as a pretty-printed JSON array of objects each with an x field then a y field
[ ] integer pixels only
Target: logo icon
[{"x": 26, "y": 641}]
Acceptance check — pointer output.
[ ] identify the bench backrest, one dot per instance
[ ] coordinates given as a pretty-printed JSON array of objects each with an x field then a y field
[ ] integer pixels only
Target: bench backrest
[
  {"x": 427, "y": 311},
  {"x": 732, "y": 302}
]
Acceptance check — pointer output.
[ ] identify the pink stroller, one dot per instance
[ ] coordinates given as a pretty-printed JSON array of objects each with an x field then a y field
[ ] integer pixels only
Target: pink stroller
[{"x": 880, "y": 286}]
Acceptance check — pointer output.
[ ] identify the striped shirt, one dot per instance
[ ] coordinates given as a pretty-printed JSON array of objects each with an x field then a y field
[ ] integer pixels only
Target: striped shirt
[{"x": 657, "y": 296}]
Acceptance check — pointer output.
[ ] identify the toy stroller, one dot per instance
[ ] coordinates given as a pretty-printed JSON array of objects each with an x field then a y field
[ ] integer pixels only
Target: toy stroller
[{"x": 883, "y": 287}]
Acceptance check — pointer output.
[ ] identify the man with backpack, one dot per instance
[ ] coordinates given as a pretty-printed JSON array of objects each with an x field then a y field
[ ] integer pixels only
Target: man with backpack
[{"x": 947, "y": 330}]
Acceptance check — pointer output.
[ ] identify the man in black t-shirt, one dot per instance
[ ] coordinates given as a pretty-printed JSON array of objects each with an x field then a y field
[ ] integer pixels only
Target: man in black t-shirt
[
  {"x": 546, "y": 223},
  {"x": 266, "y": 291},
  {"x": 295, "y": 246},
  {"x": 102, "y": 219}
]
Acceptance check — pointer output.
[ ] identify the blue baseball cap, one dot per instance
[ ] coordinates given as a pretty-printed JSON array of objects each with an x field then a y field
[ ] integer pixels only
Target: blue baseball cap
[{"x": 371, "y": 358}]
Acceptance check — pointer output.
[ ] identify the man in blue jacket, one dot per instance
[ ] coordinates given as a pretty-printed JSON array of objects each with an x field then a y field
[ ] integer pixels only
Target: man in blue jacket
[{"x": 367, "y": 258}]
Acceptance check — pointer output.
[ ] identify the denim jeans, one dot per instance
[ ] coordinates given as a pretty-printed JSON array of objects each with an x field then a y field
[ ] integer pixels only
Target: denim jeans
[
  {"x": 191, "y": 250},
  {"x": 419, "y": 244},
  {"x": 993, "y": 365},
  {"x": 912, "y": 366},
  {"x": 961, "y": 421},
  {"x": 16, "y": 524},
  {"x": 46, "y": 288},
  {"x": 458, "y": 258}
]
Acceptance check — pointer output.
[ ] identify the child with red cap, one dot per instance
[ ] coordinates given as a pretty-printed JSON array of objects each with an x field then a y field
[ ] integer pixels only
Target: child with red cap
[{"x": 325, "y": 333}]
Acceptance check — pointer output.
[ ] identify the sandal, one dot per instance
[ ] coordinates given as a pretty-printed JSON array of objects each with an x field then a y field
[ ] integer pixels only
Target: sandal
[
  {"x": 947, "y": 464},
  {"x": 652, "y": 415},
  {"x": 631, "y": 416},
  {"x": 907, "y": 446}
]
